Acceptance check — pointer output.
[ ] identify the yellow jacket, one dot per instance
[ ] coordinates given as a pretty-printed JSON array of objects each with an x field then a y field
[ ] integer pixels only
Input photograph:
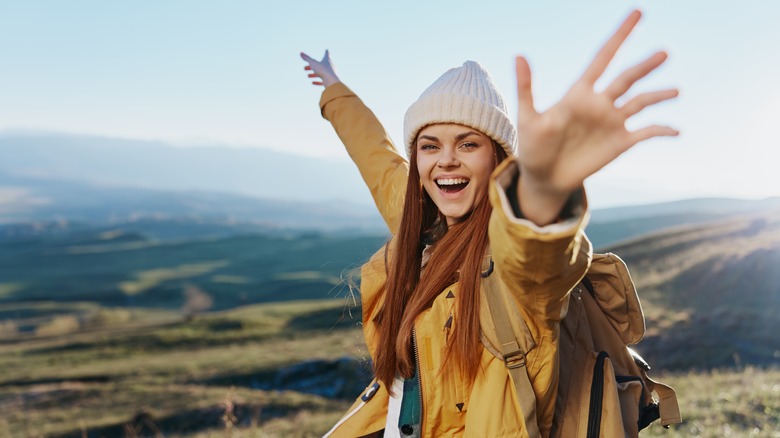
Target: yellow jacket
[{"x": 537, "y": 266}]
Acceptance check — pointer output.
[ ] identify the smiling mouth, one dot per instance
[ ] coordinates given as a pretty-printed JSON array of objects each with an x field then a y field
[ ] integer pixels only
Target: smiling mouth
[{"x": 452, "y": 185}]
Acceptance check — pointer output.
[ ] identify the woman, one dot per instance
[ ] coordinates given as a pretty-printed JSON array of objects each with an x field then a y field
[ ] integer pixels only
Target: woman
[{"x": 455, "y": 207}]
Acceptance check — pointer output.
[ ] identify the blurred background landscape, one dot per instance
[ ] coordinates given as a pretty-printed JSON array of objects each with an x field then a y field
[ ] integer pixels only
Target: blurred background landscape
[
  {"x": 181, "y": 233},
  {"x": 129, "y": 305}
]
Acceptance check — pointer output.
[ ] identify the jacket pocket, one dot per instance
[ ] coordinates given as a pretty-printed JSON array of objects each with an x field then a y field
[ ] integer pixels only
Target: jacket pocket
[
  {"x": 631, "y": 392},
  {"x": 604, "y": 414}
]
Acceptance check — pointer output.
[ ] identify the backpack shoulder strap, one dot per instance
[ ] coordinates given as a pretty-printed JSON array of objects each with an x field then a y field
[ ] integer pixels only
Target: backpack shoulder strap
[{"x": 513, "y": 355}]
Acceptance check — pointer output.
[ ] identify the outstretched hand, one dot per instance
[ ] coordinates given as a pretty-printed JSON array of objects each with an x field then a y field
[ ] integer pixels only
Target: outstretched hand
[
  {"x": 583, "y": 132},
  {"x": 322, "y": 70}
]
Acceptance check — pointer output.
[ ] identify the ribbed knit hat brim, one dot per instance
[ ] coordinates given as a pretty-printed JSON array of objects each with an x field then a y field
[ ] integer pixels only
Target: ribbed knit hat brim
[{"x": 467, "y": 96}]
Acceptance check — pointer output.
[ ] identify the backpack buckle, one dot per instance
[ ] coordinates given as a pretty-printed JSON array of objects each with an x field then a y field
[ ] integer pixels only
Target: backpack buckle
[{"x": 514, "y": 359}]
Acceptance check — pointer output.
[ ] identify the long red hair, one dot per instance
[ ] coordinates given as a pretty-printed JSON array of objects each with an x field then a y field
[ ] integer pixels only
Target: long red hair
[{"x": 457, "y": 256}]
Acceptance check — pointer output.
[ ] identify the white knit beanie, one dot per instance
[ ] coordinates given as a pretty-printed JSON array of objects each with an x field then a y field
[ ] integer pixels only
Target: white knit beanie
[{"x": 465, "y": 95}]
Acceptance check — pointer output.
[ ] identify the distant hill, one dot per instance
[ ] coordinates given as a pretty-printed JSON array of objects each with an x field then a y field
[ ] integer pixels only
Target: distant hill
[
  {"x": 57, "y": 180},
  {"x": 51, "y": 181},
  {"x": 609, "y": 226},
  {"x": 254, "y": 172},
  {"x": 711, "y": 292},
  {"x": 35, "y": 205},
  {"x": 26, "y": 199},
  {"x": 705, "y": 206}
]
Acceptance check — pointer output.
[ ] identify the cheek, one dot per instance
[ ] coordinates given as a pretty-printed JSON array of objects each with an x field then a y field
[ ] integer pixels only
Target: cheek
[
  {"x": 422, "y": 164},
  {"x": 486, "y": 167},
  {"x": 424, "y": 169},
  {"x": 483, "y": 176}
]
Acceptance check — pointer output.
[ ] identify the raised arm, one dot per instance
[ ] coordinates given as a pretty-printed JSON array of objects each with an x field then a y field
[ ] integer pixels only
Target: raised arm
[
  {"x": 583, "y": 132},
  {"x": 538, "y": 244},
  {"x": 383, "y": 169}
]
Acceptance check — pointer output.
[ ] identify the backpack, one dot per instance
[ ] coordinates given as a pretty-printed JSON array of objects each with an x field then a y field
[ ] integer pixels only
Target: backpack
[{"x": 603, "y": 385}]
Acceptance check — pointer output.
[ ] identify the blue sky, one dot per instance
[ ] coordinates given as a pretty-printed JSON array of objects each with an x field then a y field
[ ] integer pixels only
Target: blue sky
[{"x": 207, "y": 72}]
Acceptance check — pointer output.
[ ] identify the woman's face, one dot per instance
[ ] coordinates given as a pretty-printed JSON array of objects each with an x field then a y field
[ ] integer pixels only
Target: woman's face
[{"x": 455, "y": 163}]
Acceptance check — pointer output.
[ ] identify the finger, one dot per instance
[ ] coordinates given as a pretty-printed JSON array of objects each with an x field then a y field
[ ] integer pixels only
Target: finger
[
  {"x": 313, "y": 75},
  {"x": 327, "y": 54},
  {"x": 317, "y": 83},
  {"x": 525, "y": 98},
  {"x": 628, "y": 78},
  {"x": 642, "y": 101},
  {"x": 308, "y": 67},
  {"x": 608, "y": 50},
  {"x": 306, "y": 57},
  {"x": 650, "y": 132}
]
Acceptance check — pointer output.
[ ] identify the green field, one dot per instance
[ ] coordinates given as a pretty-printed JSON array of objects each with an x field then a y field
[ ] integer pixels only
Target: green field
[{"x": 121, "y": 269}]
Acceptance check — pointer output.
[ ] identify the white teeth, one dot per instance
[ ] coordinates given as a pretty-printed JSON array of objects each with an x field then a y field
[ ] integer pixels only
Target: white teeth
[{"x": 451, "y": 181}]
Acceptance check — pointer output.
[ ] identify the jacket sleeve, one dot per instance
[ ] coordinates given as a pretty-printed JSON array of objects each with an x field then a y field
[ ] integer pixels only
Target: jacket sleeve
[
  {"x": 383, "y": 169},
  {"x": 539, "y": 265}
]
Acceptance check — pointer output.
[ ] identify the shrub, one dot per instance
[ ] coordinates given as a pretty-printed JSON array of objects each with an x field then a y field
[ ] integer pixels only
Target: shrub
[
  {"x": 107, "y": 317},
  {"x": 196, "y": 301}
]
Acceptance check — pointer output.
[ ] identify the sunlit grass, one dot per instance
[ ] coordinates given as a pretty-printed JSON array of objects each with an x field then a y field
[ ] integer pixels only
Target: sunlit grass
[
  {"x": 112, "y": 234},
  {"x": 108, "y": 247},
  {"x": 307, "y": 276},
  {"x": 99, "y": 378},
  {"x": 658, "y": 258},
  {"x": 158, "y": 366},
  {"x": 725, "y": 403},
  {"x": 8, "y": 289},
  {"x": 148, "y": 279}
]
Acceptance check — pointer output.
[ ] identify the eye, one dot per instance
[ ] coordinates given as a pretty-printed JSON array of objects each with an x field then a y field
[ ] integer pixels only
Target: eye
[
  {"x": 427, "y": 147},
  {"x": 469, "y": 145}
]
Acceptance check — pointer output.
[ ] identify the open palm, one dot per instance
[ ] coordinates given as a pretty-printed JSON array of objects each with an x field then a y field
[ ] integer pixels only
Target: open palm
[{"x": 585, "y": 130}]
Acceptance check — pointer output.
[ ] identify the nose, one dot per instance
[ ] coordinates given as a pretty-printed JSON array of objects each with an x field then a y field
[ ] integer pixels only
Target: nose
[{"x": 448, "y": 158}]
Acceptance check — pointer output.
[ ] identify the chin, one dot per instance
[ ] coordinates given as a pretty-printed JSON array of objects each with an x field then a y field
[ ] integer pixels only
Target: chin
[{"x": 455, "y": 217}]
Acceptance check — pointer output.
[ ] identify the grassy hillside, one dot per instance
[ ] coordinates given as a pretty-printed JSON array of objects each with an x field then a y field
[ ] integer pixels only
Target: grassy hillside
[
  {"x": 711, "y": 293},
  {"x": 157, "y": 370},
  {"x": 155, "y": 373},
  {"x": 102, "y": 344}
]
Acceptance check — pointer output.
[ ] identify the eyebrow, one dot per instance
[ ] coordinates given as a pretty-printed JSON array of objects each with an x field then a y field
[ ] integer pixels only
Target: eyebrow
[
  {"x": 458, "y": 137},
  {"x": 427, "y": 137}
]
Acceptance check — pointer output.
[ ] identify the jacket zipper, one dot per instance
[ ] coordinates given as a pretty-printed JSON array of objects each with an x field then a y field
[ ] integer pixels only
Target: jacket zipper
[
  {"x": 419, "y": 377},
  {"x": 596, "y": 396}
]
